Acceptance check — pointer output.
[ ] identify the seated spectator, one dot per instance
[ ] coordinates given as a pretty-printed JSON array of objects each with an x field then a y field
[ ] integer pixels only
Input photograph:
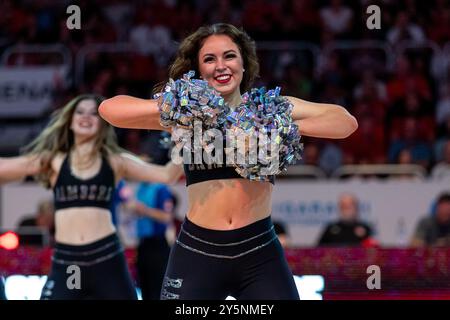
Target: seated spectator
[
  {"x": 367, "y": 144},
  {"x": 404, "y": 157},
  {"x": 348, "y": 230},
  {"x": 434, "y": 230},
  {"x": 370, "y": 87},
  {"x": 152, "y": 39},
  {"x": 405, "y": 79},
  {"x": 310, "y": 155},
  {"x": 153, "y": 205},
  {"x": 404, "y": 29},
  {"x": 410, "y": 106},
  {"x": 442, "y": 169},
  {"x": 330, "y": 157},
  {"x": 223, "y": 11},
  {"x": 33, "y": 229},
  {"x": 412, "y": 140},
  {"x": 337, "y": 18}
]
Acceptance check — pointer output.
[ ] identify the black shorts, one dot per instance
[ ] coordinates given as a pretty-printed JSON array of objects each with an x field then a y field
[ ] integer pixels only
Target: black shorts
[
  {"x": 246, "y": 263},
  {"x": 94, "y": 271}
]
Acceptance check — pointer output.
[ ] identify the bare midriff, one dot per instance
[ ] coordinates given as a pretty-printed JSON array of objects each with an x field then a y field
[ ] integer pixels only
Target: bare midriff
[
  {"x": 227, "y": 204},
  {"x": 82, "y": 225}
]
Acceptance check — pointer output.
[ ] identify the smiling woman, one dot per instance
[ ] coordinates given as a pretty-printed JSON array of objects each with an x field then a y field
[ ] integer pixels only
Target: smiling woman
[
  {"x": 227, "y": 244},
  {"x": 223, "y": 69},
  {"x": 77, "y": 155}
]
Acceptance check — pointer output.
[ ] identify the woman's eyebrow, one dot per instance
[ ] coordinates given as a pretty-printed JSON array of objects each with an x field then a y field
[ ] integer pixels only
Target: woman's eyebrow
[{"x": 212, "y": 54}]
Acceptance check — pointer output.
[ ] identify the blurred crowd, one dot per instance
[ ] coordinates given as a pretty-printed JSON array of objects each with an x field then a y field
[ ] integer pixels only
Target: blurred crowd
[{"x": 401, "y": 99}]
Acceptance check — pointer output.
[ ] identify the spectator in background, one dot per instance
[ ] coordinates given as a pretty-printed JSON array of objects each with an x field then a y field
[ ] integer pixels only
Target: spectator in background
[
  {"x": 33, "y": 230},
  {"x": 310, "y": 155},
  {"x": 296, "y": 82},
  {"x": 330, "y": 157},
  {"x": 259, "y": 18},
  {"x": 119, "y": 13},
  {"x": 404, "y": 29},
  {"x": 370, "y": 88},
  {"x": 412, "y": 140},
  {"x": 404, "y": 157},
  {"x": 336, "y": 18},
  {"x": 121, "y": 194},
  {"x": 151, "y": 38},
  {"x": 185, "y": 19},
  {"x": 223, "y": 11},
  {"x": 434, "y": 230},
  {"x": 367, "y": 144},
  {"x": 330, "y": 71},
  {"x": 348, "y": 230},
  {"x": 174, "y": 228},
  {"x": 406, "y": 80},
  {"x": 442, "y": 169},
  {"x": 154, "y": 205}
]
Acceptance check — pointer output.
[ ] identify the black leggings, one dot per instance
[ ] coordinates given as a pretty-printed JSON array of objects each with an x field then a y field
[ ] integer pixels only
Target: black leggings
[
  {"x": 103, "y": 272},
  {"x": 246, "y": 263},
  {"x": 151, "y": 264}
]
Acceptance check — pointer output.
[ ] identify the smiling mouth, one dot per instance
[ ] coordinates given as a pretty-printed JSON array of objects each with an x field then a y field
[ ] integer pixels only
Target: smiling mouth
[
  {"x": 85, "y": 125},
  {"x": 225, "y": 78}
]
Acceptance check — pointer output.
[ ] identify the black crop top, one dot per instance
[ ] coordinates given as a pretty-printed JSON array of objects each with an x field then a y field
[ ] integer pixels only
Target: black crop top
[
  {"x": 204, "y": 172},
  {"x": 97, "y": 191}
]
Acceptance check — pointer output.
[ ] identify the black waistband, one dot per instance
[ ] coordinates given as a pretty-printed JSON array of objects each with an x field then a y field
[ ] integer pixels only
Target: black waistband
[
  {"x": 87, "y": 254},
  {"x": 226, "y": 243}
]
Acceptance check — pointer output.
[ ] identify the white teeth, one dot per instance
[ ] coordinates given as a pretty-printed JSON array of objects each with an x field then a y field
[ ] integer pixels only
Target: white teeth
[{"x": 221, "y": 78}]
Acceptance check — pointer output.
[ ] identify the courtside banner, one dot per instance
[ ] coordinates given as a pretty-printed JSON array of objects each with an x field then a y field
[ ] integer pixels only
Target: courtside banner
[
  {"x": 28, "y": 91},
  {"x": 393, "y": 207}
]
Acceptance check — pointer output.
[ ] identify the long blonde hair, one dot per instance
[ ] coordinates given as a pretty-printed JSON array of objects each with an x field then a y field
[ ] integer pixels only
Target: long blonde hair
[{"x": 58, "y": 137}]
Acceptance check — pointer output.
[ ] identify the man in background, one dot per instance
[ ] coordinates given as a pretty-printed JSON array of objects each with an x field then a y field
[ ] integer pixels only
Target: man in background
[
  {"x": 39, "y": 229},
  {"x": 434, "y": 230},
  {"x": 348, "y": 230}
]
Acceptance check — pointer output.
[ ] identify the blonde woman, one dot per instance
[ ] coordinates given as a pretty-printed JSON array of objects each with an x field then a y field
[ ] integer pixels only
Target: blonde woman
[{"x": 77, "y": 155}]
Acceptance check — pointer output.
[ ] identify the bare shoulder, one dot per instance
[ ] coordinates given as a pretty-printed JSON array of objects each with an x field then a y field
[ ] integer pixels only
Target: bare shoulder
[
  {"x": 57, "y": 161},
  {"x": 114, "y": 160},
  {"x": 118, "y": 162}
]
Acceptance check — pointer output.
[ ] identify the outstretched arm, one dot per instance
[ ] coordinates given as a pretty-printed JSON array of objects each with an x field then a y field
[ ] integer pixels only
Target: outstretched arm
[
  {"x": 129, "y": 112},
  {"x": 132, "y": 168},
  {"x": 17, "y": 168},
  {"x": 322, "y": 120}
]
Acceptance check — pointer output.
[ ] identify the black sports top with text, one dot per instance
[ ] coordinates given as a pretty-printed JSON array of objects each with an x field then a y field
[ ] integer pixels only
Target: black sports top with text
[
  {"x": 70, "y": 191},
  {"x": 199, "y": 172}
]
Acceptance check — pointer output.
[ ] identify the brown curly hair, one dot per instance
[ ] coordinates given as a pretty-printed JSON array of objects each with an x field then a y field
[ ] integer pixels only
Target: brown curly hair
[{"x": 187, "y": 55}]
